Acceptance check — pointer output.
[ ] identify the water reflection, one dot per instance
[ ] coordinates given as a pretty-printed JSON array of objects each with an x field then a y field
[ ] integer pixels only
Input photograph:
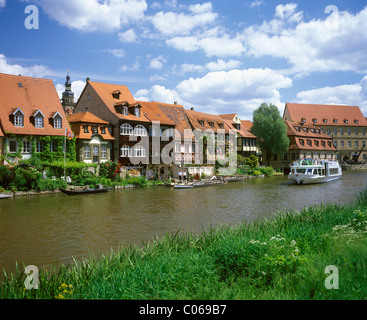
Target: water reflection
[{"x": 41, "y": 230}]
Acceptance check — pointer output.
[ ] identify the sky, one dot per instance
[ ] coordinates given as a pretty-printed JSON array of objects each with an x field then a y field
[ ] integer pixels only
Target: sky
[{"x": 216, "y": 56}]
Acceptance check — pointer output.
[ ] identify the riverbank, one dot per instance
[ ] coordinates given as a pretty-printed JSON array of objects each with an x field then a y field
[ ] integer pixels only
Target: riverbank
[{"x": 284, "y": 258}]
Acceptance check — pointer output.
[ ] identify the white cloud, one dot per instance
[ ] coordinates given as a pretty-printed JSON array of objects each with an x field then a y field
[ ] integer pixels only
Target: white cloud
[
  {"x": 38, "y": 71},
  {"x": 172, "y": 23},
  {"x": 2, "y": 3},
  {"x": 119, "y": 53},
  {"x": 316, "y": 45},
  {"x": 219, "y": 65},
  {"x": 128, "y": 36},
  {"x": 213, "y": 42},
  {"x": 256, "y": 3},
  {"x": 352, "y": 94},
  {"x": 94, "y": 15},
  {"x": 134, "y": 67},
  {"x": 211, "y": 93},
  {"x": 157, "y": 63}
]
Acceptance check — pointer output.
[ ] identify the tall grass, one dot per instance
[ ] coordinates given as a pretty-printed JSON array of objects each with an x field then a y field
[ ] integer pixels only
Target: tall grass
[{"x": 284, "y": 258}]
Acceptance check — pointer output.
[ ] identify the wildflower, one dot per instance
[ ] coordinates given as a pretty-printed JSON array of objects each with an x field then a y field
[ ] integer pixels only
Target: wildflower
[{"x": 293, "y": 243}]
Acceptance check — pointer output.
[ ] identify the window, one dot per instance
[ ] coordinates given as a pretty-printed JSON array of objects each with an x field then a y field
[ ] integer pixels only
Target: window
[
  {"x": 293, "y": 156},
  {"x": 323, "y": 143},
  {"x": 95, "y": 150},
  {"x": 316, "y": 143},
  {"x": 349, "y": 144},
  {"x": 356, "y": 121},
  {"x": 324, "y": 121},
  {"x": 335, "y": 120},
  {"x": 125, "y": 111},
  {"x": 85, "y": 129},
  {"x": 126, "y": 129},
  {"x": 303, "y": 120},
  {"x": 342, "y": 144},
  {"x": 95, "y": 129},
  {"x": 140, "y": 151},
  {"x": 336, "y": 144},
  {"x": 137, "y": 112},
  {"x": 342, "y": 132},
  {"x": 86, "y": 152},
  {"x": 314, "y": 120},
  {"x": 356, "y": 144},
  {"x": 363, "y": 132},
  {"x": 18, "y": 120},
  {"x": 53, "y": 146},
  {"x": 356, "y": 132},
  {"x": 328, "y": 131},
  {"x": 38, "y": 122},
  {"x": 297, "y": 129},
  {"x": 12, "y": 146},
  {"x": 103, "y": 130},
  {"x": 363, "y": 143},
  {"x": 26, "y": 146},
  {"x": 125, "y": 152},
  {"x": 39, "y": 146},
  {"x": 346, "y": 121},
  {"x": 349, "y": 132},
  {"x": 329, "y": 144},
  {"x": 57, "y": 123},
  {"x": 104, "y": 152},
  {"x": 335, "y": 132},
  {"x": 309, "y": 142},
  {"x": 302, "y": 142},
  {"x": 140, "y": 131}
]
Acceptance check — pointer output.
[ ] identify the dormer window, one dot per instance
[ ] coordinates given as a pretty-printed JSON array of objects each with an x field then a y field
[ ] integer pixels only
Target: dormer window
[
  {"x": 297, "y": 129},
  {"x": 314, "y": 120},
  {"x": 125, "y": 111},
  {"x": 346, "y": 121},
  {"x": 324, "y": 120},
  {"x": 303, "y": 120},
  {"x": 211, "y": 123},
  {"x": 38, "y": 119},
  {"x": 57, "y": 121},
  {"x": 18, "y": 117},
  {"x": 309, "y": 142},
  {"x": 335, "y": 120},
  {"x": 305, "y": 129},
  {"x": 302, "y": 142},
  {"x": 201, "y": 122},
  {"x": 356, "y": 121},
  {"x": 137, "y": 112},
  {"x": 116, "y": 94},
  {"x": 85, "y": 129},
  {"x": 220, "y": 125},
  {"x": 103, "y": 130}
]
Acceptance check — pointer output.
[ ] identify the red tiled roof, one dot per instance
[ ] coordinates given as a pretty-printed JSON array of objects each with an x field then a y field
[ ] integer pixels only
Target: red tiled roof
[
  {"x": 152, "y": 112},
  {"x": 78, "y": 120},
  {"x": 328, "y": 113},
  {"x": 207, "y": 119},
  {"x": 86, "y": 117},
  {"x": 30, "y": 95},
  {"x": 106, "y": 90},
  {"x": 247, "y": 124},
  {"x": 314, "y": 134}
]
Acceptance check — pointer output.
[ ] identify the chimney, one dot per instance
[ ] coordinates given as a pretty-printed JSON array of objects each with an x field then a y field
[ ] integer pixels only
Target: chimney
[
  {"x": 175, "y": 103},
  {"x": 192, "y": 108},
  {"x": 87, "y": 80}
]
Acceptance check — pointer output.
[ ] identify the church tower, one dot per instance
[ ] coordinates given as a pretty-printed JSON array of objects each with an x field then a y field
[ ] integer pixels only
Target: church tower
[{"x": 67, "y": 100}]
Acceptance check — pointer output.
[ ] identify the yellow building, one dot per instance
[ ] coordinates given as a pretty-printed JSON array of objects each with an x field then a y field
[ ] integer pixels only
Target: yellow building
[{"x": 345, "y": 124}]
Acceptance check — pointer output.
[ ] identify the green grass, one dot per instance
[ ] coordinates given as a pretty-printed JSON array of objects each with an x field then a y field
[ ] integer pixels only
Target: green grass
[{"x": 284, "y": 258}]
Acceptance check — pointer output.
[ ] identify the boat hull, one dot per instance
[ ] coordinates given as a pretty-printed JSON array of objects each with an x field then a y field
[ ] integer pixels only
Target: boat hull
[
  {"x": 307, "y": 179},
  {"x": 89, "y": 191}
]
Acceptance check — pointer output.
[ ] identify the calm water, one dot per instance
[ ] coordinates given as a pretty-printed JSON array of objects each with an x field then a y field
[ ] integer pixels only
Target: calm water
[{"x": 41, "y": 230}]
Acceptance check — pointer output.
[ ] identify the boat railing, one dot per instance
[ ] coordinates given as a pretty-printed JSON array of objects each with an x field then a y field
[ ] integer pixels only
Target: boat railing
[{"x": 313, "y": 162}]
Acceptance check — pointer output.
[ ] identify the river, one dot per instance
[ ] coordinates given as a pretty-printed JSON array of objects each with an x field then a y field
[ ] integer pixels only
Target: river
[{"x": 47, "y": 229}]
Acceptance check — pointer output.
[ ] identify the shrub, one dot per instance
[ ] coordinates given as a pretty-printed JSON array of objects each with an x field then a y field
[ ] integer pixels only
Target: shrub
[
  {"x": 269, "y": 171},
  {"x": 5, "y": 176},
  {"x": 51, "y": 185},
  {"x": 25, "y": 179}
]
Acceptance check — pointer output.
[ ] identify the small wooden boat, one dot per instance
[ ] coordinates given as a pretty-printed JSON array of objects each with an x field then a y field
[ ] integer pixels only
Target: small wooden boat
[
  {"x": 183, "y": 186},
  {"x": 86, "y": 191},
  {"x": 5, "y": 196}
]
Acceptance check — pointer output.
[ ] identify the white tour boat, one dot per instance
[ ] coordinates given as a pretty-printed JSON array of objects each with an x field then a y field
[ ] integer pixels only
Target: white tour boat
[{"x": 308, "y": 171}]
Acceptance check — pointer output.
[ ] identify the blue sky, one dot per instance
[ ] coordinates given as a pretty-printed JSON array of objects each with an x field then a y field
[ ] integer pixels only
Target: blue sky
[{"x": 216, "y": 56}]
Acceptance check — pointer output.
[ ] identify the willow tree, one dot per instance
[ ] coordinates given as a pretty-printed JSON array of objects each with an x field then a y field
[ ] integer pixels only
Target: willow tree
[{"x": 270, "y": 130}]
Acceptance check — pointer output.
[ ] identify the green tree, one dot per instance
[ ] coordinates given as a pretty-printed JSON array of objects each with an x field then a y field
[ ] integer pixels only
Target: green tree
[
  {"x": 252, "y": 161},
  {"x": 270, "y": 130}
]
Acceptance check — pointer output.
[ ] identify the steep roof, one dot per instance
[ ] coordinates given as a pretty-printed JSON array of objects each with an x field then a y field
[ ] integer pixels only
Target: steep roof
[
  {"x": 205, "y": 121},
  {"x": 108, "y": 92},
  {"x": 77, "y": 120},
  {"x": 177, "y": 114},
  {"x": 85, "y": 117},
  {"x": 297, "y": 132},
  {"x": 247, "y": 124},
  {"x": 29, "y": 95},
  {"x": 325, "y": 114},
  {"x": 152, "y": 112}
]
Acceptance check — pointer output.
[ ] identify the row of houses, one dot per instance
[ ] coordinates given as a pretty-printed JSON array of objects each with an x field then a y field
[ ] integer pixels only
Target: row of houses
[{"x": 159, "y": 138}]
